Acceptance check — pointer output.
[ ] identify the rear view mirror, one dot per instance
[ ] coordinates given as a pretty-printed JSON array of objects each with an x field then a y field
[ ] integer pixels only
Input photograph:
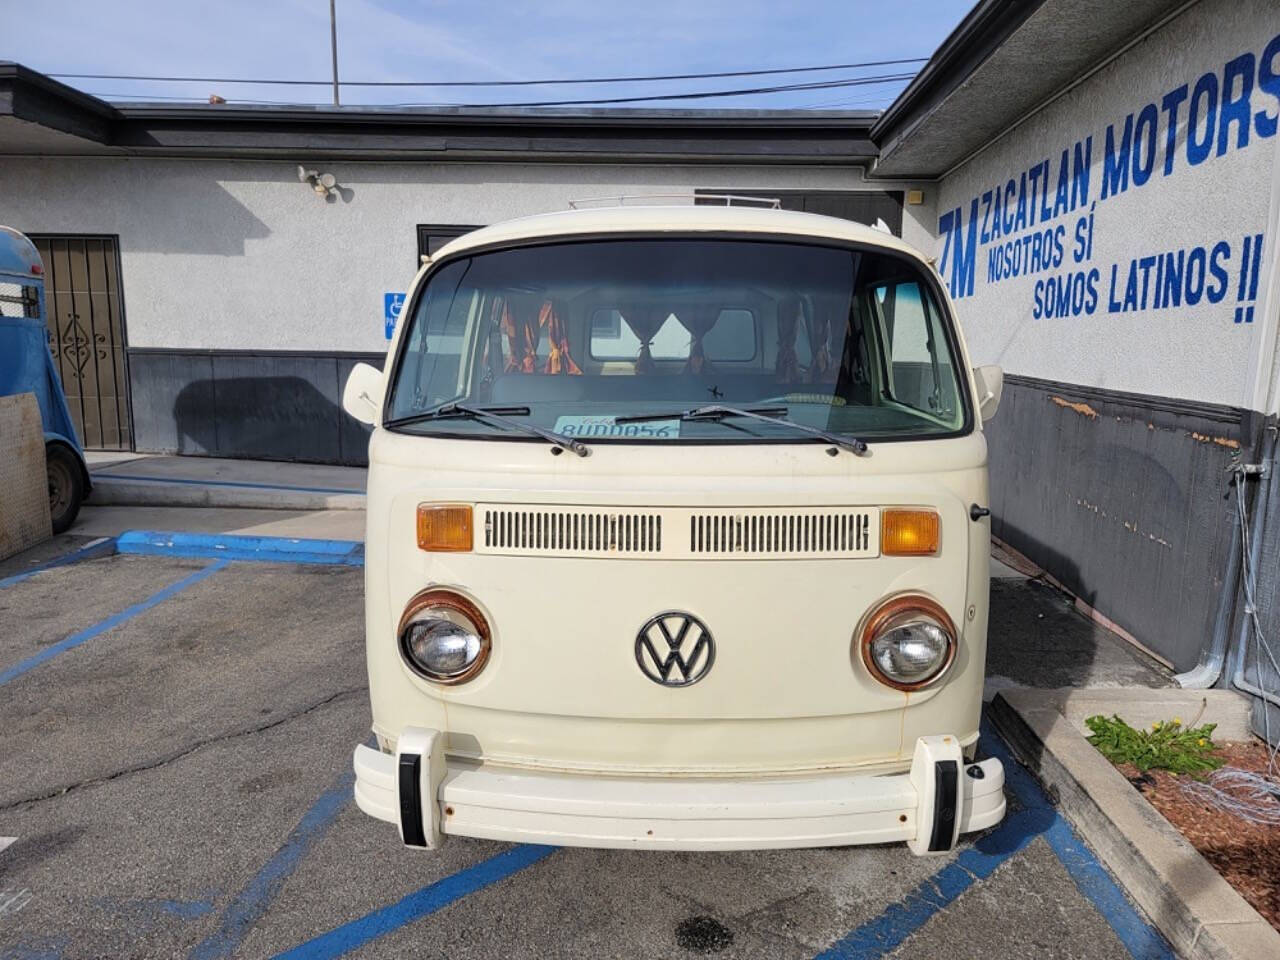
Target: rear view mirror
[
  {"x": 989, "y": 380},
  {"x": 362, "y": 397}
]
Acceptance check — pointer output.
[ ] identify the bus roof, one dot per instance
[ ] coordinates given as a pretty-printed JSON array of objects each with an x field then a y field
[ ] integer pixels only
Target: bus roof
[
  {"x": 683, "y": 218},
  {"x": 18, "y": 255}
]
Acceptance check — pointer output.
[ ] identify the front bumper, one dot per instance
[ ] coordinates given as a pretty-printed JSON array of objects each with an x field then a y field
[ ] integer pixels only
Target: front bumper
[{"x": 928, "y": 807}]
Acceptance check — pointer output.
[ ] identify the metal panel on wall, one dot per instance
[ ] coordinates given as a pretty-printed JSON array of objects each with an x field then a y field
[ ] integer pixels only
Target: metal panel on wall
[
  {"x": 1122, "y": 499},
  {"x": 260, "y": 405}
]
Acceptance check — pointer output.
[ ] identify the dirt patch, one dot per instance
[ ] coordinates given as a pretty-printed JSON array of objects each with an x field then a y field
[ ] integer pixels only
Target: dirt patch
[{"x": 1246, "y": 854}]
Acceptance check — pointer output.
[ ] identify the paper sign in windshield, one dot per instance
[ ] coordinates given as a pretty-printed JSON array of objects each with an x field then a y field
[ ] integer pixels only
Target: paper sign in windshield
[{"x": 605, "y": 427}]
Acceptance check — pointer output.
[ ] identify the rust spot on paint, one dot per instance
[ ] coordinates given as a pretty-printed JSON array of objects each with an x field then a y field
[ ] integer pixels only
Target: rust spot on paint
[
  {"x": 1220, "y": 441},
  {"x": 1081, "y": 408}
]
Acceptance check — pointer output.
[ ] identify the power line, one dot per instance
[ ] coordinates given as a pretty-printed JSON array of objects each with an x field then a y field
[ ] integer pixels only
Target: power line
[
  {"x": 126, "y": 97},
  {"x": 700, "y": 95},
  {"x": 845, "y": 102},
  {"x": 489, "y": 83}
]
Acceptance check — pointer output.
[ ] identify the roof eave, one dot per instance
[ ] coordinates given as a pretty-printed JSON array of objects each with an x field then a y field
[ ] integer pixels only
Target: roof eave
[
  {"x": 31, "y": 96},
  {"x": 974, "y": 39}
]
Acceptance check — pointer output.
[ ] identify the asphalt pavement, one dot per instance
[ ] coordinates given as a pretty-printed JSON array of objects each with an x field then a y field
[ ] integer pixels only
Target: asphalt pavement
[{"x": 175, "y": 744}]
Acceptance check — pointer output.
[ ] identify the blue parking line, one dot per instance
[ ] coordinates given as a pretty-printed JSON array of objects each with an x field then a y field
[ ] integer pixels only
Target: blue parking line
[
  {"x": 227, "y": 483},
  {"x": 437, "y": 896},
  {"x": 230, "y": 546},
  {"x": 102, "y": 547},
  {"x": 252, "y": 902},
  {"x": 1140, "y": 938},
  {"x": 1037, "y": 817},
  {"x": 103, "y": 626}
]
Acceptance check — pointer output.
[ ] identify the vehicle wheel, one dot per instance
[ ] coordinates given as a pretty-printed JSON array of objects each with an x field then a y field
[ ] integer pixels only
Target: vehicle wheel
[{"x": 66, "y": 486}]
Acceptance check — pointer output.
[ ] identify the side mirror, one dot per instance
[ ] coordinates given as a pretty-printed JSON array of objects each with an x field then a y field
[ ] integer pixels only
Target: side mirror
[
  {"x": 989, "y": 380},
  {"x": 362, "y": 396}
]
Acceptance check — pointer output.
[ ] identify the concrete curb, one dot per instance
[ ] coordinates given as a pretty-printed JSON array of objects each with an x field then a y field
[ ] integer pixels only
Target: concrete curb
[
  {"x": 1187, "y": 900},
  {"x": 150, "y": 493}
]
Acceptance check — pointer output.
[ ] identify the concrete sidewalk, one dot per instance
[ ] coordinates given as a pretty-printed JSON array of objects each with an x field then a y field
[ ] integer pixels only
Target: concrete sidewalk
[{"x": 143, "y": 480}]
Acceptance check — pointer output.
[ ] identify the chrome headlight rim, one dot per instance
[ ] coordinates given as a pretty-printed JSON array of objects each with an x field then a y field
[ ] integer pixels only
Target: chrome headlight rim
[
  {"x": 897, "y": 611},
  {"x": 455, "y": 605}
]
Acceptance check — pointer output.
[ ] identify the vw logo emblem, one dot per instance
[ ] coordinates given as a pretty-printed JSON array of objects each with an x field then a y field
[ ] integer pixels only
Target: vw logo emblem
[{"x": 675, "y": 649}]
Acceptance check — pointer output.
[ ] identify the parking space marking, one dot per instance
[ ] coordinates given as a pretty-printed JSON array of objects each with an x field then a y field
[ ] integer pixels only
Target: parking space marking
[
  {"x": 252, "y": 902},
  {"x": 1038, "y": 817},
  {"x": 6, "y": 843},
  {"x": 240, "y": 547},
  {"x": 103, "y": 546},
  {"x": 76, "y": 639},
  {"x": 229, "y": 483},
  {"x": 428, "y": 900}
]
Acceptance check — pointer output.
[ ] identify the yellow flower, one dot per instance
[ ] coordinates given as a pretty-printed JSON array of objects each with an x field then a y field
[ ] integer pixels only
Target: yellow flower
[
  {"x": 1156, "y": 725},
  {"x": 1202, "y": 742},
  {"x": 1177, "y": 721}
]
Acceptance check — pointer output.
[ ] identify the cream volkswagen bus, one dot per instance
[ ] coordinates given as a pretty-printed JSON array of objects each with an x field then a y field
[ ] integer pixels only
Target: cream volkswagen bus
[{"x": 676, "y": 539}]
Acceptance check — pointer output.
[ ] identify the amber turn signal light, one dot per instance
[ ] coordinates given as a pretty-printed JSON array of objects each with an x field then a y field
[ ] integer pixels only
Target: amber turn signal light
[
  {"x": 444, "y": 527},
  {"x": 909, "y": 533}
]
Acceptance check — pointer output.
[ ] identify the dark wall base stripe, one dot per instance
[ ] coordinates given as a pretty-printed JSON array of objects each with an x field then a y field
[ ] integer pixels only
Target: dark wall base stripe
[
  {"x": 1124, "y": 499},
  {"x": 235, "y": 403}
]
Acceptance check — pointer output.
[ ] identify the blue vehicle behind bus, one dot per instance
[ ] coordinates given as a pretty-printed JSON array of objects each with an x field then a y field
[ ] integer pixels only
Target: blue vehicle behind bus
[{"x": 26, "y": 366}]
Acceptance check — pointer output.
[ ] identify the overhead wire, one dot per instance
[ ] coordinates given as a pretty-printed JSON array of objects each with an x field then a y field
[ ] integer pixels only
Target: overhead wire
[
  {"x": 492, "y": 83},
  {"x": 698, "y": 95},
  {"x": 694, "y": 95}
]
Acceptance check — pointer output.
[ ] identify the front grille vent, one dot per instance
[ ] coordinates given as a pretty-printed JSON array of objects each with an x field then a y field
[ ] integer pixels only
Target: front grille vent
[
  {"x": 771, "y": 534},
  {"x": 562, "y": 531},
  {"x": 659, "y": 532}
]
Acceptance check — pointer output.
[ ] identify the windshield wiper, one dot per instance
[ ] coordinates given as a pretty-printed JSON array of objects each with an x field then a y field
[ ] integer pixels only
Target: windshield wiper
[
  {"x": 717, "y": 412},
  {"x": 493, "y": 414}
]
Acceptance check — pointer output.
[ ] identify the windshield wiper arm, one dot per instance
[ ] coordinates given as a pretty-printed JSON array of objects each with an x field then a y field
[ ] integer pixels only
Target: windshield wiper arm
[
  {"x": 716, "y": 412},
  {"x": 494, "y": 414}
]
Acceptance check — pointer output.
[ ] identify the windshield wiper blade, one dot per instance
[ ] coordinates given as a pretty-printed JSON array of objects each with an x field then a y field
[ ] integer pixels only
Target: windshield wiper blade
[
  {"x": 498, "y": 415},
  {"x": 778, "y": 415},
  {"x": 456, "y": 411},
  {"x": 706, "y": 413}
]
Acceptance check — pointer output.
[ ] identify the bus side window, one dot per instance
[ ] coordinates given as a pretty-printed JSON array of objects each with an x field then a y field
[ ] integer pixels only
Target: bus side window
[{"x": 916, "y": 350}]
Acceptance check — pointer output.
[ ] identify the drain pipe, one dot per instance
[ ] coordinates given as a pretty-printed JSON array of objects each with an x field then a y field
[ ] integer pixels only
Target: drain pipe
[
  {"x": 1255, "y": 552},
  {"x": 1206, "y": 673}
]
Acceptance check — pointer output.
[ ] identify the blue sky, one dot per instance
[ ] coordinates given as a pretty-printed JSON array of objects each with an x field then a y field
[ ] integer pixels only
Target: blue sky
[{"x": 477, "y": 40}]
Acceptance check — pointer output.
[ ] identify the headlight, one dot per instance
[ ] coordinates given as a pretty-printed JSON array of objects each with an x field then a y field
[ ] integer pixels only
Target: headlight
[
  {"x": 444, "y": 637},
  {"x": 908, "y": 642}
]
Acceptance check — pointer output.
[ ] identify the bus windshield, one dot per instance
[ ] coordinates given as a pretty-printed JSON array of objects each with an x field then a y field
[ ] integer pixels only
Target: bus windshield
[{"x": 585, "y": 333}]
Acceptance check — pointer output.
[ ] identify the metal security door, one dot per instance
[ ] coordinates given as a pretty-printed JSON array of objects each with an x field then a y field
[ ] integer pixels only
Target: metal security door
[{"x": 85, "y": 319}]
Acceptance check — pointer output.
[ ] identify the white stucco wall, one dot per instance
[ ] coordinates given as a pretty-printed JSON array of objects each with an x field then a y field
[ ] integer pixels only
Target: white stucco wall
[
  {"x": 221, "y": 254},
  {"x": 1199, "y": 209}
]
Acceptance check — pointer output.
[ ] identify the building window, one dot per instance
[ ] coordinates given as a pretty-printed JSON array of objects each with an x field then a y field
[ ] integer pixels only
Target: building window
[{"x": 433, "y": 236}]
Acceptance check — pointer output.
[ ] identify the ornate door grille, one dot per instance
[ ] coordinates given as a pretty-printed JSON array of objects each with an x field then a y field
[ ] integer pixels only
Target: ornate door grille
[{"x": 85, "y": 319}]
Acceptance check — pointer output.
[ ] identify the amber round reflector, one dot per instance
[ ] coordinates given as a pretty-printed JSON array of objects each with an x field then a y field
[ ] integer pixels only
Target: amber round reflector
[
  {"x": 444, "y": 527},
  {"x": 909, "y": 533}
]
